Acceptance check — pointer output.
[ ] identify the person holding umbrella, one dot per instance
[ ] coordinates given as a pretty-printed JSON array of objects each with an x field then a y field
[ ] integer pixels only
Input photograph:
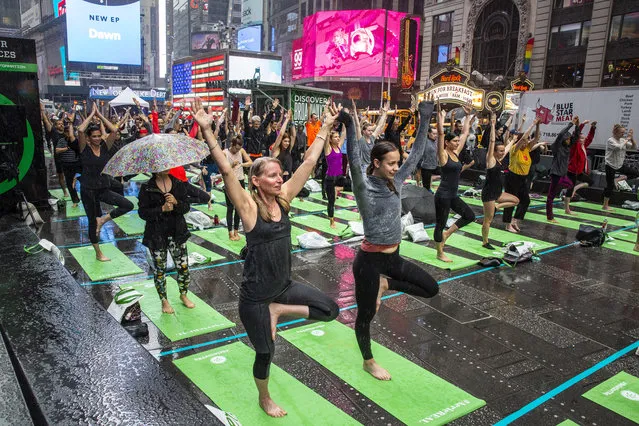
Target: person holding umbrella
[
  {"x": 96, "y": 187},
  {"x": 267, "y": 289}
]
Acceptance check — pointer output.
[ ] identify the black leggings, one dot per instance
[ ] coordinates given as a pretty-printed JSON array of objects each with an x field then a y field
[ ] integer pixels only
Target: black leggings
[
  {"x": 427, "y": 175},
  {"x": 610, "y": 181},
  {"x": 518, "y": 186},
  {"x": 256, "y": 319},
  {"x": 70, "y": 170},
  {"x": 230, "y": 223},
  {"x": 91, "y": 201},
  {"x": 443, "y": 206},
  {"x": 329, "y": 189},
  {"x": 402, "y": 276}
]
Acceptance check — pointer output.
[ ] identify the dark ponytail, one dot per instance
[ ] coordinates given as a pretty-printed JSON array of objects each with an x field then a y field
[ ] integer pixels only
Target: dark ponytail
[{"x": 378, "y": 152}]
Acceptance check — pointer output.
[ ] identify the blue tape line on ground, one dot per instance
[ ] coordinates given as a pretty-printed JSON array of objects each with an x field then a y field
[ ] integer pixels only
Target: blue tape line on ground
[
  {"x": 567, "y": 384},
  {"x": 200, "y": 345}
]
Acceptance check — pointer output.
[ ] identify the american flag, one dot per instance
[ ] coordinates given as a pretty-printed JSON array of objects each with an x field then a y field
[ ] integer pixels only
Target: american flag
[{"x": 190, "y": 78}]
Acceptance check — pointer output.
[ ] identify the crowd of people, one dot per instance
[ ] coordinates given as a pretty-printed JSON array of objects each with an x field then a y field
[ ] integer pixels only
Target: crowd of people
[{"x": 343, "y": 148}]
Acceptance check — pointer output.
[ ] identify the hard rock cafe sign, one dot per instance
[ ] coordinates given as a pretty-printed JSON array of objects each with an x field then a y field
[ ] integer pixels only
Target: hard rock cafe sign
[{"x": 450, "y": 86}]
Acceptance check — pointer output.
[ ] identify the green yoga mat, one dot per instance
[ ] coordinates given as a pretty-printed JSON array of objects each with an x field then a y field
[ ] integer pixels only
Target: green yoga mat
[
  {"x": 140, "y": 178},
  {"x": 219, "y": 195},
  {"x": 224, "y": 375},
  {"x": 59, "y": 194},
  {"x": 319, "y": 223},
  {"x": 339, "y": 201},
  {"x": 469, "y": 245},
  {"x": 414, "y": 395},
  {"x": 504, "y": 237},
  {"x": 568, "y": 422},
  {"x": 595, "y": 218},
  {"x": 619, "y": 393},
  {"x": 619, "y": 211},
  {"x": 629, "y": 235},
  {"x": 185, "y": 322},
  {"x": 562, "y": 222},
  {"x": 216, "y": 209},
  {"x": 220, "y": 237},
  {"x": 74, "y": 211},
  {"x": 208, "y": 254},
  {"x": 428, "y": 256},
  {"x": 296, "y": 232},
  {"x": 130, "y": 223},
  {"x": 134, "y": 200},
  {"x": 622, "y": 246},
  {"x": 307, "y": 205},
  {"x": 347, "y": 215},
  {"x": 119, "y": 265}
]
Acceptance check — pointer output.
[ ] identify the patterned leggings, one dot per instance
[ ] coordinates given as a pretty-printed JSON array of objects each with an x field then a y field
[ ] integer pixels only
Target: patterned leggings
[{"x": 180, "y": 258}]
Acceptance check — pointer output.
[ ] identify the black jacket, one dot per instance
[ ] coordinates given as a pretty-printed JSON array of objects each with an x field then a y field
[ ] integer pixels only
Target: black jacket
[
  {"x": 254, "y": 139},
  {"x": 162, "y": 225}
]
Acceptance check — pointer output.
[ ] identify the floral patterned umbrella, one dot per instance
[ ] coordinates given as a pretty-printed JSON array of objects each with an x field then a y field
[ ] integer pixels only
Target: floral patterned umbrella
[{"x": 156, "y": 153}]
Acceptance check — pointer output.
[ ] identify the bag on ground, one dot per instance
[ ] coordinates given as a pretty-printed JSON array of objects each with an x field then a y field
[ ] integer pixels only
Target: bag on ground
[
  {"x": 518, "y": 252},
  {"x": 417, "y": 232},
  {"x": 313, "y": 186},
  {"x": 407, "y": 220},
  {"x": 591, "y": 236},
  {"x": 198, "y": 220},
  {"x": 312, "y": 240}
]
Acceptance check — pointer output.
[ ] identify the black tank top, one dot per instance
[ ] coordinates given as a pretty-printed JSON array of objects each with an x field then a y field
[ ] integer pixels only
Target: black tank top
[
  {"x": 92, "y": 165},
  {"x": 267, "y": 269},
  {"x": 450, "y": 179},
  {"x": 495, "y": 176}
]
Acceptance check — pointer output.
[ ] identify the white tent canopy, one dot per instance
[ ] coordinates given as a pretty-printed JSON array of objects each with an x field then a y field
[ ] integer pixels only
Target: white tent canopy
[{"x": 125, "y": 98}]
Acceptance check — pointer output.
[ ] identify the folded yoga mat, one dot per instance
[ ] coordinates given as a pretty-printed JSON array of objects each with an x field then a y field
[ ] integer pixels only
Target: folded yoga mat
[
  {"x": 134, "y": 200},
  {"x": 119, "y": 265},
  {"x": 307, "y": 205},
  {"x": 224, "y": 374},
  {"x": 319, "y": 223},
  {"x": 185, "y": 322},
  {"x": 208, "y": 254},
  {"x": 74, "y": 211},
  {"x": 505, "y": 237},
  {"x": 216, "y": 209},
  {"x": 59, "y": 194},
  {"x": 622, "y": 246},
  {"x": 428, "y": 256},
  {"x": 140, "y": 178},
  {"x": 414, "y": 395},
  {"x": 345, "y": 214},
  {"x": 130, "y": 223},
  {"x": 220, "y": 237},
  {"x": 619, "y": 211},
  {"x": 619, "y": 393}
]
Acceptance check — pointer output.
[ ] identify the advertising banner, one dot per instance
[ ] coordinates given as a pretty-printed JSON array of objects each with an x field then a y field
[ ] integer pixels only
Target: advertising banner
[
  {"x": 556, "y": 108},
  {"x": 244, "y": 68},
  {"x": 251, "y": 12},
  {"x": 205, "y": 41},
  {"x": 114, "y": 92},
  {"x": 250, "y": 38},
  {"x": 104, "y": 31},
  {"x": 349, "y": 45},
  {"x": 190, "y": 79},
  {"x": 300, "y": 100},
  {"x": 20, "y": 123},
  {"x": 456, "y": 94}
]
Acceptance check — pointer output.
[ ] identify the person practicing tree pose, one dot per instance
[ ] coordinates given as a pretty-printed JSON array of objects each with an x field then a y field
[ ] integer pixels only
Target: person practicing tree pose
[
  {"x": 267, "y": 290},
  {"x": 449, "y": 146},
  {"x": 164, "y": 200},
  {"x": 515, "y": 181},
  {"x": 559, "y": 168},
  {"x": 492, "y": 196},
  {"x": 578, "y": 169},
  {"x": 238, "y": 159},
  {"x": 284, "y": 145},
  {"x": 616, "y": 148},
  {"x": 95, "y": 187},
  {"x": 333, "y": 154},
  {"x": 378, "y": 266}
]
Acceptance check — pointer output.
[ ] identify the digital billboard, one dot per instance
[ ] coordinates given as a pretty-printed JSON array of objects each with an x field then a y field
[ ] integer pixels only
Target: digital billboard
[
  {"x": 190, "y": 78},
  {"x": 243, "y": 68},
  {"x": 205, "y": 41},
  {"x": 250, "y": 38},
  {"x": 348, "y": 45},
  {"x": 104, "y": 32}
]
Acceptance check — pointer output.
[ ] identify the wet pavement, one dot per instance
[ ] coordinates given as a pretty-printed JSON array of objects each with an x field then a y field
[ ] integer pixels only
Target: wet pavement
[{"x": 505, "y": 335}]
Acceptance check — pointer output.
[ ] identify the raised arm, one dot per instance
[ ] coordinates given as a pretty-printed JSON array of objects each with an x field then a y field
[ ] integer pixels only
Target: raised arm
[
  {"x": 111, "y": 127},
  {"x": 442, "y": 156},
  {"x": 490, "y": 154},
  {"x": 295, "y": 184},
  {"x": 465, "y": 128},
  {"x": 425, "y": 112},
  {"x": 353, "y": 150},
  {"x": 45, "y": 118},
  {"x": 280, "y": 136},
  {"x": 293, "y": 133},
  {"x": 82, "y": 136},
  {"x": 406, "y": 120},
  {"x": 525, "y": 138},
  {"x": 382, "y": 120},
  {"x": 358, "y": 129},
  {"x": 564, "y": 132}
]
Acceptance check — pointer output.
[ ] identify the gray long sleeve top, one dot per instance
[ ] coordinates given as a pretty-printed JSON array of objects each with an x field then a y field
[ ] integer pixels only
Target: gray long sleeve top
[
  {"x": 380, "y": 207},
  {"x": 561, "y": 151}
]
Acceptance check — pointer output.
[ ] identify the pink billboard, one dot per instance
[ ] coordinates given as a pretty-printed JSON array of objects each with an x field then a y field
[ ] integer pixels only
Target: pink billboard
[{"x": 348, "y": 45}]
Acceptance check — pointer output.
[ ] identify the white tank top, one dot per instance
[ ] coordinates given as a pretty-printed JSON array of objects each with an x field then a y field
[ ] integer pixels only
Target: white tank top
[{"x": 238, "y": 170}]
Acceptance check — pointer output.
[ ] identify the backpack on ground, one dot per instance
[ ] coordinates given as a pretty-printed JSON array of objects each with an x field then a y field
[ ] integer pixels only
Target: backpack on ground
[{"x": 591, "y": 236}]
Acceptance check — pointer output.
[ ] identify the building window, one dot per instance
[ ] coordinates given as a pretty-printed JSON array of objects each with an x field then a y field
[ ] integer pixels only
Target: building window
[
  {"x": 402, "y": 6},
  {"x": 624, "y": 27},
  {"x": 387, "y": 4},
  {"x": 311, "y": 5},
  {"x": 237, "y": 7},
  {"x": 559, "y": 4},
  {"x": 418, "y": 7},
  {"x": 327, "y": 4},
  {"x": 441, "y": 53},
  {"x": 564, "y": 76},
  {"x": 570, "y": 35},
  {"x": 303, "y": 11},
  {"x": 443, "y": 24},
  {"x": 624, "y": 72}
]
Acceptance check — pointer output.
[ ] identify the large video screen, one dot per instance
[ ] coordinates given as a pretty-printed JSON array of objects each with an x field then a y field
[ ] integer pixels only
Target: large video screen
[
  {"x": 348, "y": 45},
  {"x": 104, "y": 31},
  {"x": 205, "y": 41},
  {"x": 250, "y": 38},
  {"x": 243, "y": 68}
]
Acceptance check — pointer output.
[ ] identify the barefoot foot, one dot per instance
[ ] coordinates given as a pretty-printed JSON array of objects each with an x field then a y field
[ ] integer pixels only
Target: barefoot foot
[
  {"x": 511, "y": 228},
  {"x": 636, "y": 247},
  {"x": 332, "y": 224},
  {"x": 166, "y": 307},
  {"x": 552, "y": 221},
  {"x": 568, "y": 211},
  {"x": 383, "y": 286},
  {"x": 376, "y": 370},
  {"x": 99, "y": 221},
  {"x": 185, "y": 300},
  {"x": 271, "y": 408},
  {"x": 101, "y": 257},
  {"x": 444, "y": 258}
]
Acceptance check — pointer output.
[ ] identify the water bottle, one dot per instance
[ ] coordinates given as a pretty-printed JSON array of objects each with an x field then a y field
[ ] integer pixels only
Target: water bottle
[
  {"x": 604, "y": 225},
  {"x": 216, "y": 220}
]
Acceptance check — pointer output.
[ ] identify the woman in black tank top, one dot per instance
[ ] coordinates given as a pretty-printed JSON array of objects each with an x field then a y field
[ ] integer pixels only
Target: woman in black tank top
[
  {"x": 492, "y": 194},
  {"x": 267, "y": 290},
  {"x": 449, "y": 146}
]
